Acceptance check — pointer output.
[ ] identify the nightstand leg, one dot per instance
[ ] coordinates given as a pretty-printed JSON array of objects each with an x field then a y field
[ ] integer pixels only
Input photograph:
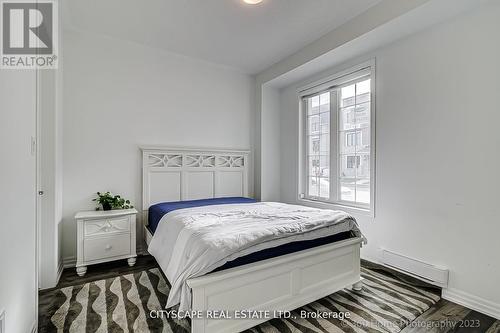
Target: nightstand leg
[
  {"x": 81, "y": 270},
  {"x": 131, "y": 261}
]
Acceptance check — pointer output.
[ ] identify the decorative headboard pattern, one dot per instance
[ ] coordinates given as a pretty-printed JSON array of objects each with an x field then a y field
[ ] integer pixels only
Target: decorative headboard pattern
[{"x": 173, "y": 174}]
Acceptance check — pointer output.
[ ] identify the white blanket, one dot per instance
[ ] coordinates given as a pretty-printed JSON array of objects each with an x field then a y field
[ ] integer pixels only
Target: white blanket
[{"x": 194, "y": 241}]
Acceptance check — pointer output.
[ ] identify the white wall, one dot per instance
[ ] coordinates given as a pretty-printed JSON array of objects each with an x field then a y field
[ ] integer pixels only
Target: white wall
[
  {"x": 17, "y": 199},
  {"x": 119, "y": 95},
  {"x": 437, "y": 151},
  {"x": 270, "y": 150}
]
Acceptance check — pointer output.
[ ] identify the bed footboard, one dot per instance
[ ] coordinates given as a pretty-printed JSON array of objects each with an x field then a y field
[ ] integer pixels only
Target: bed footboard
[{"x": 277, "y": 284}]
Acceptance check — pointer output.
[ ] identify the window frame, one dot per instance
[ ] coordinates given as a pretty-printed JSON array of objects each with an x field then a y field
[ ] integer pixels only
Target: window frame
[{"x": 336, "y": 81}]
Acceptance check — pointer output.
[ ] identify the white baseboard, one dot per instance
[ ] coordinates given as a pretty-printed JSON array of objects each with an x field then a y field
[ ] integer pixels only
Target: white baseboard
[
  {"x": 2, "y": 321},
  {"x": 69, "y": 262},
  {"x": 60, "y": 269},
  {"x": 472, "y": 302}
]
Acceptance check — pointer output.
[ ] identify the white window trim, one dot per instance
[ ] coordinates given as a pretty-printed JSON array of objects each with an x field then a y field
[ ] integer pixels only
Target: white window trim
[{"x": 316, "y": 87}]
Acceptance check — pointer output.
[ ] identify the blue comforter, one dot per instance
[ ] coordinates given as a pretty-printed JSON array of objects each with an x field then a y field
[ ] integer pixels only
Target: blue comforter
[{"x": 157, "y": 211}]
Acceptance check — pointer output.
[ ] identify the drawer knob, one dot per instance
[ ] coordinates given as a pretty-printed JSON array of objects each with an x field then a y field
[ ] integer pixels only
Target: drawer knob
[{"x": 108, "y": 247}]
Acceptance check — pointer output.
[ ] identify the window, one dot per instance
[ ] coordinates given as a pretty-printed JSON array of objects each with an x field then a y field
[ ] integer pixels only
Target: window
[
  {"x": 353, "y": 162},
  {"x": 319, "y": 139},
  {"x": 338, "y": 152},
  {"x": 353, "y": 138}
]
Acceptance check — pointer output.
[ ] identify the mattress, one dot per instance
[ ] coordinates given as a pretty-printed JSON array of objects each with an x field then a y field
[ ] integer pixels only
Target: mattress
[
  {"x": 284, "y": 249},
  {"x": 156, "y": 212}
]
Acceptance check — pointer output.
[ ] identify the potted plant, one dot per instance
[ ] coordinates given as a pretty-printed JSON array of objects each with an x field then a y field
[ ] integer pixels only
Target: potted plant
[{"x": 108, "y": 201}]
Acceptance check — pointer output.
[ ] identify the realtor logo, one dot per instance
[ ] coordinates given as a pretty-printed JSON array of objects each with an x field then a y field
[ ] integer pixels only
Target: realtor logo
[{"x": 29, "y": 39}]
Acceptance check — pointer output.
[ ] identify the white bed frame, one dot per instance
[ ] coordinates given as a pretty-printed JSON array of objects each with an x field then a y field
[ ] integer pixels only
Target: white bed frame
[{"x": 278, "y": 284}]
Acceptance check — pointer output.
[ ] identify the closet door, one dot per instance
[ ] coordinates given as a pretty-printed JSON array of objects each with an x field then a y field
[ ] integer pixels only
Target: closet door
[{"x": 17, "y": 199}]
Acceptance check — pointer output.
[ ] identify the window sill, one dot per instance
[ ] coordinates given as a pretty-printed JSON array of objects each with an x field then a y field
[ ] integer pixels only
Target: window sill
[{"x": 355, "y": 211}]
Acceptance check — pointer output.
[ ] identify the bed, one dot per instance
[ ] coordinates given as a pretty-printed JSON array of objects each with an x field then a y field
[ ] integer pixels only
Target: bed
[{"x": 278, "y": 274}]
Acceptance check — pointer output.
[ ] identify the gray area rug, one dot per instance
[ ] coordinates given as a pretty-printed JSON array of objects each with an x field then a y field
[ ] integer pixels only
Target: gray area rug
[{"x": 122, "y": 304}]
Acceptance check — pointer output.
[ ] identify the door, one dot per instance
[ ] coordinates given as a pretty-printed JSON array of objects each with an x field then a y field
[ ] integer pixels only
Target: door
[{"x": 18, "y": 287}]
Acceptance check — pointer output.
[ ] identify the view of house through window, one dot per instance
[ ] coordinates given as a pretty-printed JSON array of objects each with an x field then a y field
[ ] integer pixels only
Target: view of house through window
[
  {"x": 319, "y": 145},
  {"x": 338, "y": 143}
]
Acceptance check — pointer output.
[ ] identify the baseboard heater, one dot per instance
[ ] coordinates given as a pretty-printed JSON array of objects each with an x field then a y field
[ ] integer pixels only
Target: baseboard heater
[{"x": 434, "y": 275}]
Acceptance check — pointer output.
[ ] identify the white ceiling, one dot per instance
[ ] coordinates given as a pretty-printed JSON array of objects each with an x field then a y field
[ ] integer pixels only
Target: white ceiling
[{"x": 228, "y": 32}]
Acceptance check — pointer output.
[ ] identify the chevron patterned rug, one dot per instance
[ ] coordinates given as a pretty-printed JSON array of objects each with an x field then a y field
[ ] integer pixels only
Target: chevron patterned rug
[{"x": 123, "y": 304}]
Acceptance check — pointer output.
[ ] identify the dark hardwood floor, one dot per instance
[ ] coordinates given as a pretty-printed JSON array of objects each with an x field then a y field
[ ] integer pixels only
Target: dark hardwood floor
[
  {"x": 443, "y": 317},
  {"x": 446, "y": 316}
]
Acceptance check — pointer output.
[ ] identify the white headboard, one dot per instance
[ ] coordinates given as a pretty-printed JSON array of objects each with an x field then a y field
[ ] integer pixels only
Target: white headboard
[{"x": 174, "y": 174}]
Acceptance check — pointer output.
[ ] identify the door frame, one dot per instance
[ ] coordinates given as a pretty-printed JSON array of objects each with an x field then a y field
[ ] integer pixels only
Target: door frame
[{"x": 38, "y": 194}]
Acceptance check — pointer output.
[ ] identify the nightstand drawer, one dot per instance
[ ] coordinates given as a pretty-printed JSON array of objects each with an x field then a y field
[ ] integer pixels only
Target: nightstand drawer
[
  {"x": 108, "y": 226},
  {"x": 106, "y": 247}
]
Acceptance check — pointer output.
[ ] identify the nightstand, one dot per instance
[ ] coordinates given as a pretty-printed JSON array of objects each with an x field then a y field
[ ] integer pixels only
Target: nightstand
[{"x": 105, "y": 236}]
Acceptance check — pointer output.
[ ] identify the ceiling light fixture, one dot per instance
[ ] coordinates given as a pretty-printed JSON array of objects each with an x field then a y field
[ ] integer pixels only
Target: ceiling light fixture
[{"x": 252, "y": 2}]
